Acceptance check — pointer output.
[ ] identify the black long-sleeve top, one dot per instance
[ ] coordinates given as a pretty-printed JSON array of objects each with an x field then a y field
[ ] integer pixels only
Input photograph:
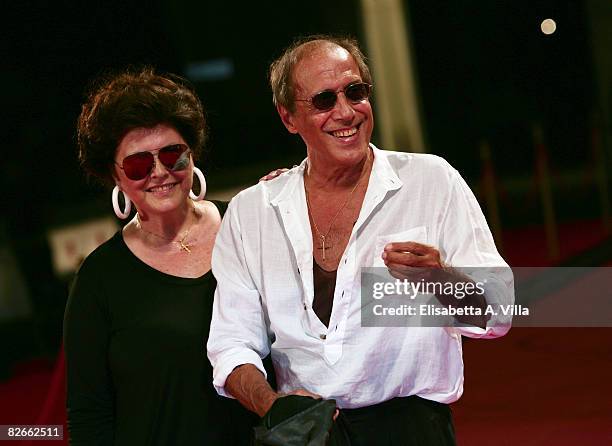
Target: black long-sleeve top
[{"x": 135, "y": 344}]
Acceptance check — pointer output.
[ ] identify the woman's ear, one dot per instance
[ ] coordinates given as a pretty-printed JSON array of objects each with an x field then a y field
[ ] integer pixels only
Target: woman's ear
[{"x": 115, "y": 175}]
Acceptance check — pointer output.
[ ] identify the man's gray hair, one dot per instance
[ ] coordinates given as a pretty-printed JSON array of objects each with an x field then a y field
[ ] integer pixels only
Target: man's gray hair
[{"x": 281, "y": 70}]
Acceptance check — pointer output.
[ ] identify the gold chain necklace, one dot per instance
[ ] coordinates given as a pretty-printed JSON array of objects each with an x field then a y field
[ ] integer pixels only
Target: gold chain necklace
[
  {"x": 322, "y": 237},
  {"x": 183, "y": 245}
]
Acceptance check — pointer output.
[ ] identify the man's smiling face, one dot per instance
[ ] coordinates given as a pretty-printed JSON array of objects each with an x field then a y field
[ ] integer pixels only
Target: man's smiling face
[{"x": 341, "y": 134}]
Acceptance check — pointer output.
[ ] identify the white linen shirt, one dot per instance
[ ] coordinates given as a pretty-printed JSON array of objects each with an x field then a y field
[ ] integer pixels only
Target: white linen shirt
[{"x": 263, "y": 264}]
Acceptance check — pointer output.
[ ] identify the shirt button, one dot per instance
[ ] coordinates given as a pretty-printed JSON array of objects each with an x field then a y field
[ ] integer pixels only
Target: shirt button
[
  {"x": 305, "y": 307},
  {"x": 322, "y": 336}
]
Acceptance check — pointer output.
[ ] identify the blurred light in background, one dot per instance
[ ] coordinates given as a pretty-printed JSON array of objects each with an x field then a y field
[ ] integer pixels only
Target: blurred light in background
[
  {"x": 71, "y": 244},
  {"x": 548, "y": 26},
  {"x": 210, "y": 70}
]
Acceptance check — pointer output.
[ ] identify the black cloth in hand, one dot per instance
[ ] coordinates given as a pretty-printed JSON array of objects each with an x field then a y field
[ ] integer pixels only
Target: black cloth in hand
[{"x": 295, "y": 420}]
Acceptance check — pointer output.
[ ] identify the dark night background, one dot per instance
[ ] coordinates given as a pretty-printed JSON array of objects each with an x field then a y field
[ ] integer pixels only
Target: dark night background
[{"x": 485, "y": 71}]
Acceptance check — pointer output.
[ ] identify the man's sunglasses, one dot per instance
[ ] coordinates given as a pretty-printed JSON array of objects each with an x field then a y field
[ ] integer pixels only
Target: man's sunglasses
[
  {"x": 139, "y": 165},
  {"x": 327, "y": 99}
]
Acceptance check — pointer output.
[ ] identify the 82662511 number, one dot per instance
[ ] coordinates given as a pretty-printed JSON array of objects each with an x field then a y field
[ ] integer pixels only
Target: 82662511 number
[{"x": 31, "y": 432}]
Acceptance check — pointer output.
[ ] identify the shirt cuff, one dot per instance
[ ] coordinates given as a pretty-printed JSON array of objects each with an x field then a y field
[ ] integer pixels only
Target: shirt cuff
[
  {"x": 226, "y": 364},
  {"x": 488, "y": 332},
  {"x": 499, "y": 292}
]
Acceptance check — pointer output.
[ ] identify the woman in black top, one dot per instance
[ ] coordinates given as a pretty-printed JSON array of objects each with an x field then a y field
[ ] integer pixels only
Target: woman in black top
[{"x": 139, "y": 311}]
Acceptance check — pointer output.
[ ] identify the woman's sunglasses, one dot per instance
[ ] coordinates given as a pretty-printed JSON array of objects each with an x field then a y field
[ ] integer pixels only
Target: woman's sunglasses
[
  {"x": 139, "y": 165},
  {"x": 327, "y": 99}
]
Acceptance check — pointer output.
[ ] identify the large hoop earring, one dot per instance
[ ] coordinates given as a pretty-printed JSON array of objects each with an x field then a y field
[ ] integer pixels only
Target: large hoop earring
[
  {"x": 200, "y": 176},
  {"x": 122, "y": 214}
]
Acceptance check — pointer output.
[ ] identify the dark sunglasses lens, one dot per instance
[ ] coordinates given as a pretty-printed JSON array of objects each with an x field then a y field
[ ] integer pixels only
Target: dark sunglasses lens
[
  {"x": 357, "y": 92},
  {"x": 324, "y": 100},
  {"x": 354, "y": 93},
  {"x": 138, "y": 165},
  {"x": 175, "y": 157}
]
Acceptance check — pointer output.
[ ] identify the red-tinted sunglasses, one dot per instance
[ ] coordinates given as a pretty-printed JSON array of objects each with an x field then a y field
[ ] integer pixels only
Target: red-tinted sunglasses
[
  {"x": 326, "y": 100},
  {"x": 139, "y": 165}
]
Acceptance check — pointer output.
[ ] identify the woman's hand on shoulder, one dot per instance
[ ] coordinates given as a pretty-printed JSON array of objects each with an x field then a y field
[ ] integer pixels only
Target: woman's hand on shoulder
[{"x": 274, "y": 174}]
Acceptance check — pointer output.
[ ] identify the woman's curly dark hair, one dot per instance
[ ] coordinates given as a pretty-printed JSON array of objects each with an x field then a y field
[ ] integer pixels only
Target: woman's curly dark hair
[{"x": 133, "y": 98}]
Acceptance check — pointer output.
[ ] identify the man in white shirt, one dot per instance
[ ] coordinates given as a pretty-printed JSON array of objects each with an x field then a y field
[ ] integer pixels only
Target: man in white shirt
[{"x": 290, "y": 252}]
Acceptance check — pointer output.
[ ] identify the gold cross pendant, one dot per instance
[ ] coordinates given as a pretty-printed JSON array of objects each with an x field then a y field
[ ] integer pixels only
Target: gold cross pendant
[
  {"x": 323, "y": 247},
  {"x": 183, "y": 246}
]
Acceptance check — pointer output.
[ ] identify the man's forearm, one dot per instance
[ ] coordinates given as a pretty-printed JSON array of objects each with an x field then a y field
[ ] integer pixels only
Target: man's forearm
[{"x": 249, "y": 386}]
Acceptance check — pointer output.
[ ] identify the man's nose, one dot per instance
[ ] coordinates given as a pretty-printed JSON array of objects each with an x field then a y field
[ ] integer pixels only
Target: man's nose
[{"x": 344, "y": 108}]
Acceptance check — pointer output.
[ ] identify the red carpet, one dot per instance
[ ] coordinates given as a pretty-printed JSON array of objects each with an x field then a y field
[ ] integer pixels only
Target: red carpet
[
  {"x": 537, "y": 386},
  {"x": 35, "y": 396}
]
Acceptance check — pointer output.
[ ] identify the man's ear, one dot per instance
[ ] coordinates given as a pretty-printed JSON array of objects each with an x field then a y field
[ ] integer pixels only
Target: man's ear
[{"x": 287, "y": 118}]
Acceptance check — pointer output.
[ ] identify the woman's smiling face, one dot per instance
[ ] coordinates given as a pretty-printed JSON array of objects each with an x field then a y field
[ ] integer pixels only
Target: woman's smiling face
[{"x": 163, "y": 190}]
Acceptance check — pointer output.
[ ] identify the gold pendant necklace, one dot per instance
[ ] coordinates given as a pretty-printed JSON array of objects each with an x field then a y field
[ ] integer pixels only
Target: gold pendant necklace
[
  {"x": 182, "y": 244},
  {"x": 322, "y": 237}
]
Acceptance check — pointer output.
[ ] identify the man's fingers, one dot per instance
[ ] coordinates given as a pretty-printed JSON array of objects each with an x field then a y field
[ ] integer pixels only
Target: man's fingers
[
  {"x": 412, "y": 247},
  {"x": 412, "y": 254},
  {"x": 408, "y": 259},
  {"x": 303, "y": 392}
]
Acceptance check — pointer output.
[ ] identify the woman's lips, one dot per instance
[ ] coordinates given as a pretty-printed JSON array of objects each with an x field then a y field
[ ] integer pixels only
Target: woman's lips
[{"x": 161, "y": 188}]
